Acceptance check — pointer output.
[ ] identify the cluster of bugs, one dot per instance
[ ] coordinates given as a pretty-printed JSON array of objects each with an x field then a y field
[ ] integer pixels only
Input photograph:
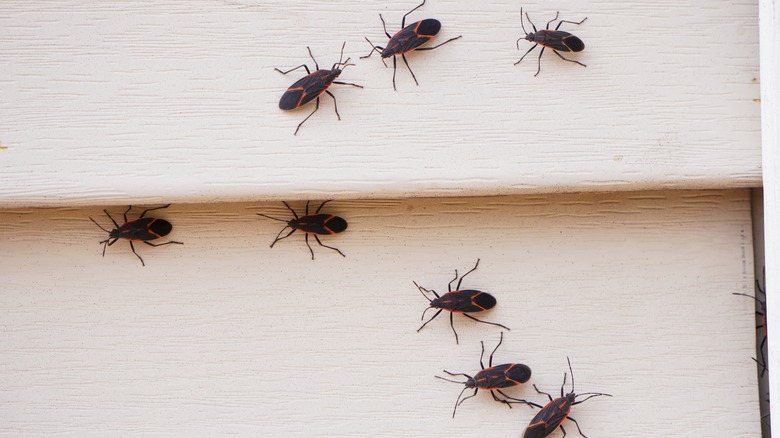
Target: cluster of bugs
[
  {"x": 412, "y": 38},
  {"x": 145, "y": 229},
  {"x": 493, "y": 378}
]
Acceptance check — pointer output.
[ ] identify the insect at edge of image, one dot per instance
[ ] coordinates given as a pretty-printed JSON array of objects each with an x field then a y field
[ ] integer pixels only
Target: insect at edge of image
[
  {"x": 142, "y": 229},
  {"x": 316, "y": 224},
  {"x": 556, "y": 411},
  {"x": 555, "y": 40},
  {"x": 406, "y": 40},
  {"x": 314, "y": 84},
  {"x": 461, "y": 301}
]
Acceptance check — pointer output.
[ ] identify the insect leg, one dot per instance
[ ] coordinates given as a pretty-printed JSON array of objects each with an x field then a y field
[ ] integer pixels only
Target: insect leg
[
  {"x": 564, "y": 432},
  {"x": 517, "y": 400},
  {"x": 410, "y": 69},
  {"x": 526, "y": 53},
  {"x": 347, "y": 83},
  {"x": 335, "y": 106},
  {"x": 449, "y": 285},
  {"x": 482, "y": 365},
  {"x": 394, "y": 68},
  {"x": 570, "y": 60},
  {"x": 126, "y": 211},
  {"x": 550, "y": 22},
  {"x": 307, "y": 244},
  {"x": 539, "y": 62},
  {"x": 162, "y": 244},
  {"x": 490, "y": 362},
  {"x": 540, "y": 392},
  {"x": 486, "y": 322},
  {"x": 467, "y": 273},
  {"x": 384, "y": 26},
  {"x": 293, "y": 69},
  {"x": 439, "y": 45},
  {"x": 403, "y": 20},
  {"x": 570, "y": 22},
  {"x": 150, "y": 209},
  {"x": 329, "y": 247},
  {"x": 576, "y": 424},
  {"x": 426, "y": 322},
  {"x": 316, "y": 66},
  {"x": 506, "y": 402},
  {"x": 307, "y": 117},
  {"x": 453, "y": 328},
  {"x": 322, "y": 205},
  {"x": 136, "y": 254}
]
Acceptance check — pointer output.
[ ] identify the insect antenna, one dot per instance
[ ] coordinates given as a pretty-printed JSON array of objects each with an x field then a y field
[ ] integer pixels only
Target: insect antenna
[
  {"x": 449, "y": 380},
  {"x": 735, "y": 293},
  {"x": 259, "y": 214},
  {"x": 421, "y": 289},
  {"x": 521, "y": 21},
  {"x": 93, "y": 220}
]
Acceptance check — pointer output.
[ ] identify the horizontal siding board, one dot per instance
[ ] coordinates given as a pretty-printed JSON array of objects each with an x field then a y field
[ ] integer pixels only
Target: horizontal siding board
[
  {"x": 224, "y": 335},
  {"x": 139, "y": 102}
]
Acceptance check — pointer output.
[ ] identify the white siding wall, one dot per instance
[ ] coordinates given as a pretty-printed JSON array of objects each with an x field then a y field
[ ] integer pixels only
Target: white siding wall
[{"x": 224, "y": 335}]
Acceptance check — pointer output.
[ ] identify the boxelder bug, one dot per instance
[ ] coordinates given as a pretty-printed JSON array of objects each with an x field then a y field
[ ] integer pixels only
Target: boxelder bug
[
  {"x": 312, "y": 85},
  {"x": 492, "y": 378},
  {"x": 761, "y": 313},
  {"x": 553, "y": 413},
  {"x": 142, "y": 229},
  {"x": 554, "y": 39},
  {"x": 409, "y": 38},
  {"x": 459, "y": 301},
  {"x": 317, "y": 223}
]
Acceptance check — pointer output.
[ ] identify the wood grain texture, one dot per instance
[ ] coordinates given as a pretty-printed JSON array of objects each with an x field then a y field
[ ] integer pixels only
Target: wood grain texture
[
  {"x": 172, "y": 100},
  {"x": 225, "y": 336}
]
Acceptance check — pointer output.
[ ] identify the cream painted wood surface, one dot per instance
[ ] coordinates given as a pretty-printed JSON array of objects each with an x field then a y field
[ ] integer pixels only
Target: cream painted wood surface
[
  {"x": 116, "y": 102},
  {"x": 225, "y": 336}
]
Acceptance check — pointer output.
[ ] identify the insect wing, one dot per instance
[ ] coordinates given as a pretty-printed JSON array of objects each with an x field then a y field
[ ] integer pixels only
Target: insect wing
[
  {"x": 306, "y": 89},
  {"x": 321, "y": 224},
  {"x": 547, "y": 420},
  {"x": 336, "y": 224},
  {"x": 563, "y": 41},
  {"x": 495, "y": 377},
  {"x": 140, "y": 229},
  {"x": 463, "y": 300},
  {"x": 413, "y": 36}
]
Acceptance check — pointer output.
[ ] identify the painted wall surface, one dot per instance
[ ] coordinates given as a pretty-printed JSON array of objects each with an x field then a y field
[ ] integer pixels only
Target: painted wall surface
[
  {"x": 116, "y": 102},
  {"x": 225, "y": 336}
]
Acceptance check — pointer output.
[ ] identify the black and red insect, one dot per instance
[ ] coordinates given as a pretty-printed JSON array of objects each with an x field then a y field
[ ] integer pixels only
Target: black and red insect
[
  {"x": 142, "y": 229},
  {"x": 554, "y": 39},
  {"x": 312, "y": 85},
  {"x": 314, "y": 224},
  {"x": 556, "y": 411},
  {"x": 407, "y": 39},
  {"x": 459, "y": 301},
  {"x": 492, "y": 378},
  {"x": 762, "y": 314}
]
